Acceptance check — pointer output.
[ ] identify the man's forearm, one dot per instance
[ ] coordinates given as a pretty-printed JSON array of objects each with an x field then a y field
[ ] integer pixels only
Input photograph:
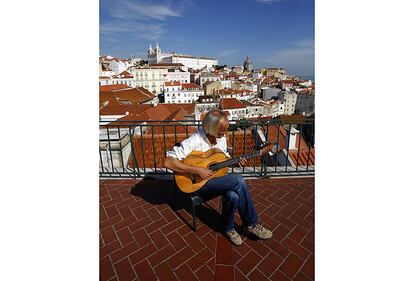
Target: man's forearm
[{"x": 178, "y": 166}]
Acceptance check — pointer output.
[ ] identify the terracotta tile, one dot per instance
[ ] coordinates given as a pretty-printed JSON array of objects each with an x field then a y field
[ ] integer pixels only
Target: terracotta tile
[
  {"x": 124, "y": 252},
  {"x": 296, "y": 248},
  {"x": 291, "y": 266},
  {"x": 108, "y": 235},
  {"x": 209, "y": 240},
  {"x": 247, "y": 263},
  {"x": 239, "y": 276},
  {"x": 125, "y": 236},
  {"x": 194, "y": 242},
  {"x": 224, "y": 251},
  {"x": 256, "y": 275},
  {"x": 161, "y": 255},
  {"x": 105, "y": 268},
  {"x": 200, "y": 259},
  {"x": 144, "y": 271},
  {"x": 124, "y": 270},
  {"x": 112, "y": 211},
  {"x": 180, "y": 257},
  {"x": 281, "y": 232},
  {"x": 276, "y": 247},
  {"x": 176, "y": 240},
  {"x": 297, "y": 234},
  {"x": 302, "y": 277},
  {"x": 309, "y": 245},
  {"x": 270, "y": 263},
  {"x": 309, "y": 267},
  {"x": 185, "y": 273},
  {"x": 224, "y": 272},
  {"x": 279, "y": 276},
  {"x": 204, "y": 274},
  {"x": 141, "y": 237},
  {"x": 165, "y": 273},
  {"x": 111, "y": 247},
  {"x": 142, "y": 254},
  {"x": 258, "y": 246},
  {"x": 159, "y": 239}
]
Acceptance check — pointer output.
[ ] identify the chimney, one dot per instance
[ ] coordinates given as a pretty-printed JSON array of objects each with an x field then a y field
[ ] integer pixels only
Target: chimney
[{"x": 292, "y": 138}]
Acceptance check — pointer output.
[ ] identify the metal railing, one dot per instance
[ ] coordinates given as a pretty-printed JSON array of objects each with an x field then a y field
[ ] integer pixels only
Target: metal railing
[{"x": 132, "y": 149}]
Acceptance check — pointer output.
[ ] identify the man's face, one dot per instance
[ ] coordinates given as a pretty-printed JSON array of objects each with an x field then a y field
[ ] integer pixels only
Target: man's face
[{"x": 223, "y": 125}]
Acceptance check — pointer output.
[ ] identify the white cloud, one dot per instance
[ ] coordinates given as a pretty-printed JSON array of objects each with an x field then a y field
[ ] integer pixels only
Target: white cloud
[
  {"x": 299, "y": 60},
  {"x": 137, "y": 19},
  {"x": 229, "y": 52},
  {"x": 138, "y": 30},
  {"x": 141, "y": 10}
]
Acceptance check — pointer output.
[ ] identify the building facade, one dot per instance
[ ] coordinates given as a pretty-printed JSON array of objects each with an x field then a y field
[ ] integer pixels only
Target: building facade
[
  {"x": 150, "y": 78},
  {"x": 157, "y": 56},
  {"x": 289, "y": 101}
]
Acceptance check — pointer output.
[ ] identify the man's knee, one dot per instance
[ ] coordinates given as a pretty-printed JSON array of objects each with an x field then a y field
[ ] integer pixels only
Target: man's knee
[
  {"x": 232, "y": 196},
  {"x": 237, "y": 179}
]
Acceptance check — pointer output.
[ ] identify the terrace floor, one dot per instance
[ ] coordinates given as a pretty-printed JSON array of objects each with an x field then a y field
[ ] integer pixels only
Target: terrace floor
[{"x": 143, "y": 238}]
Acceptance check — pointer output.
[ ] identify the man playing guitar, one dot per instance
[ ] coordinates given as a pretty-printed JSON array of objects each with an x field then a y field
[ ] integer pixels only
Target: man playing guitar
[{"x": 232, "y": 187}]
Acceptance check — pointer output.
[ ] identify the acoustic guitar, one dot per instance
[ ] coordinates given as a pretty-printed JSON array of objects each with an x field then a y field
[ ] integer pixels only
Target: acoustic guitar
[{"x": 215, "y": 160}]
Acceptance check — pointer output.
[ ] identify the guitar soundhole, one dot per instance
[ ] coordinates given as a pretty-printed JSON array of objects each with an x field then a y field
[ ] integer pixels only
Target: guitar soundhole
[{"x": 211, "y": 166}]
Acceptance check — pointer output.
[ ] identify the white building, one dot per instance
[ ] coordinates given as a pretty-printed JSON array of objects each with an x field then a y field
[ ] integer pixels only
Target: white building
[
  {"x": 178, "y": 75},
  {"x": 226, "y": 84},
  {"x": 305, "y": 103},
  {"x": 157, "y": 56},
  {"x": 289, "y": 101},
  {"x": 151, "y": 78},
  {"x": 234, "y": 107},
  {"x": 273, "y": 108},
  {"x": 124, "y": 77},
  {"x": 204, "y": 105},
  {"x": 253, "y": 110},
  {"x": 119, "y": 65},
  {"x": 177, "y": 92},
  {"x": 238, "y": 94},
  {"x": 207, "y": 76}
]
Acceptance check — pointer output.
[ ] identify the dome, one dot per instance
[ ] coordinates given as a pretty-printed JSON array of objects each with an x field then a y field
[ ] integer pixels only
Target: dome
[
  {"x": 248, "y": 65},
  {"x": 248, "y": 60}
]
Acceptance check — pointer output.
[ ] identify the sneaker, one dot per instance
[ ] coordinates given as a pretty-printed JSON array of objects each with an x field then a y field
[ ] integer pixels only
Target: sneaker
[
  {"x": 234, "y": 237},
  {"x": 260, "y": 231}
]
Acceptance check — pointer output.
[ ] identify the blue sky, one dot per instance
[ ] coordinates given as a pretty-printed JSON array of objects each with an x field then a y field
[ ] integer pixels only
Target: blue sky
[{"x": 278, "y": 33}]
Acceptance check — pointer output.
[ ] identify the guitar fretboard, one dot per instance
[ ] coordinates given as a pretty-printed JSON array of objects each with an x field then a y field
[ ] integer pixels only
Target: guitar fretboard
[{"x": 233, "y": 161}]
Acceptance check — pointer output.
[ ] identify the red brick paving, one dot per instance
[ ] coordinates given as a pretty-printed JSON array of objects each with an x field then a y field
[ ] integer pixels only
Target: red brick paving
[{"x": 142, "y": 238}]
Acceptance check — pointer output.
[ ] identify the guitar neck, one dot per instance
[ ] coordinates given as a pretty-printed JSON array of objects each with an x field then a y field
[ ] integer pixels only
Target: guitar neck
[{"x": 233, "y": 161}]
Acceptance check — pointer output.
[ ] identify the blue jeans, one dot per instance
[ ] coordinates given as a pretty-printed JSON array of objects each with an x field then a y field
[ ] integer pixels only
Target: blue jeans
[{"x": 235, "y": 194}]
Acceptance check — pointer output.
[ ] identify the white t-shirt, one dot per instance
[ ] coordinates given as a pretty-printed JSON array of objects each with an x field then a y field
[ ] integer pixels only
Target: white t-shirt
[{"x": 197, "y": 141}]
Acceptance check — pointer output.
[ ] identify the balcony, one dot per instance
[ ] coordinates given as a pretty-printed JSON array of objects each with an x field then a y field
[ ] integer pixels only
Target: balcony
[
  {"x": 143, "y": 236},
  {"x": 131, "y": 149}
]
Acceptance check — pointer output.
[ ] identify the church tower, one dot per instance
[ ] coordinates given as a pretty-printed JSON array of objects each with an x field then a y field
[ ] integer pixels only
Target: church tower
[
  {"x": 157, "y": 49},
  {"x": 248, "y": 65}
]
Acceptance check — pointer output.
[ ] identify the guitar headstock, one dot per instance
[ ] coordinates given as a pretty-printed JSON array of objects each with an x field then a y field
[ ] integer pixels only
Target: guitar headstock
[{"x": 266, "y": 147}]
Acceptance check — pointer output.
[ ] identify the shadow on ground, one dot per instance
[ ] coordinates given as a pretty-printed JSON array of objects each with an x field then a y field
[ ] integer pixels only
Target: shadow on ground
[{"x": 161, "y": 190}]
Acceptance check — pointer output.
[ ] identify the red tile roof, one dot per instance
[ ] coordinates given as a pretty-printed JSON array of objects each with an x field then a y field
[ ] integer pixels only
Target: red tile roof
[
  {"x": 299, "y": 155},
  {"x": 190, "y": 86},
  {"x": 124, "y": 95},
  {"x": 231, "y": 103},
  {"x": 110, "y": 88},
  {"x": 172, "y": 83}
]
